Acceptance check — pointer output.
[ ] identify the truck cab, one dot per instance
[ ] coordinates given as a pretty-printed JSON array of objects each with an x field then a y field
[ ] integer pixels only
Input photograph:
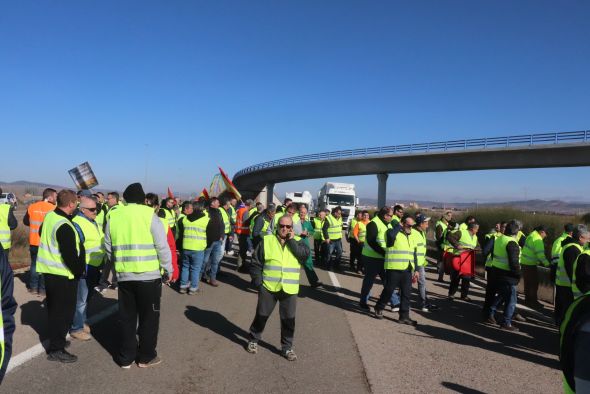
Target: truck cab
[{"x": 333, "y": 194}]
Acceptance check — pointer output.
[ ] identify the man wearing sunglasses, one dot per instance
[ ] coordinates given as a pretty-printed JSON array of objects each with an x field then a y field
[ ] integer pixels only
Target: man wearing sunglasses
[
  {"x": 275, "y": 269},
  {"x": 93, "y": 239}
]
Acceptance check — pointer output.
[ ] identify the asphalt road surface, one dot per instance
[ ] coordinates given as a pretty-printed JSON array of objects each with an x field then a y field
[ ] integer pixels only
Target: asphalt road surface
[{"x": 341, "y": 348}]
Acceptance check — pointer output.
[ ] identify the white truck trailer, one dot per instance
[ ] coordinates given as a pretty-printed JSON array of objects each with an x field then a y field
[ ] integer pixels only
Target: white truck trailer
[
  {"x": 334, "y": 194},
  {"x": 302, "y": 198}
]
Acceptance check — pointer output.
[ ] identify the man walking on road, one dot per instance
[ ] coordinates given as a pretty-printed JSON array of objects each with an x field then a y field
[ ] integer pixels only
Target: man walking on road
[
  {"x": 275, "y": 272},
  {"x": 136, "y": 242},
  {"x": 62, "y": 261}
]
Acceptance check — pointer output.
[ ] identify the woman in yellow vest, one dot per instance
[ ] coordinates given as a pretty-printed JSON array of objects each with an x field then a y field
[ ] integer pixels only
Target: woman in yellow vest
[
  {"x": 360, "y": 235},
  {"x": 276, "y": 265}
]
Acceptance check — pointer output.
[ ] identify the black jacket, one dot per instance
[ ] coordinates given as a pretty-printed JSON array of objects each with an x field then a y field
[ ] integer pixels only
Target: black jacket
[
  {"x": 583, "y": 273},
  {"x": 215, "y": 228},
  {"x": 66, "y": 241},
  {"x": 300, "y": 250},
  {"x": 569, "y": 256}
]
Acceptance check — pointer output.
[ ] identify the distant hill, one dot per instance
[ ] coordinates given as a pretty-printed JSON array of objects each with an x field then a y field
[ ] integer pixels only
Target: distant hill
[{"x": 537, "y": 205}]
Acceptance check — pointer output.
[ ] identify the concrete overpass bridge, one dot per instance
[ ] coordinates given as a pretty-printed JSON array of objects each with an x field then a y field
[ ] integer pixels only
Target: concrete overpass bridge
[{"x": 565, "y": 149}]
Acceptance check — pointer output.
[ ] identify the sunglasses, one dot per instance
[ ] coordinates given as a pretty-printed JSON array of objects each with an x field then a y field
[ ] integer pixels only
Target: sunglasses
[
  {"x": 285, "y": 226},
  {"x": 89, "y": 209}
]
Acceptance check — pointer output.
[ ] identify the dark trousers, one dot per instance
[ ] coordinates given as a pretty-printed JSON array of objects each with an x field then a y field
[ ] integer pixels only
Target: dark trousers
[
  {"x": 287, "y": 308},
  {"x": 243, "y": 245},
  {"x": 312, "y": 277},
  {"x": 139, "y": 299},
  {"x": 62, "y": 294},
  {"x": 107, "y": 268},
  {"x": 563, "y": 299},
  {"x": 455, "y": 278},
  {"x": 354, "y": 253},
  {"x": 229, "y": 244},
  {"x": 373, "y": 267},
  {"x": 530, "y": 277},
  {"x": 393, "y": 280},
  {"x": 317, "y": 252},
  {"x": 490, "y": 292}
]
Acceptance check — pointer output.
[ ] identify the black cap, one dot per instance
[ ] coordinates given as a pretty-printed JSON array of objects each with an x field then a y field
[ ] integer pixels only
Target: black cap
[
  {"x": 569, "y": 228},
  {"x": 134, "y": 193}
]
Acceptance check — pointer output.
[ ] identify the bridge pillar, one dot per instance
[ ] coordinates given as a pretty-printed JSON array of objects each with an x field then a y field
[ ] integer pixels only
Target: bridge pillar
[
  {"x": 270, "y": 192},
  {"x": 381, "y": 189}
]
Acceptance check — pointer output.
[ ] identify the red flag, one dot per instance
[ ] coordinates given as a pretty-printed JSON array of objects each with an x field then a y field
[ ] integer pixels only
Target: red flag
[
  {"x": 204, "y": 194},
  {"x": 229, "y": 185},
  {"x": 170, "y": 194}
]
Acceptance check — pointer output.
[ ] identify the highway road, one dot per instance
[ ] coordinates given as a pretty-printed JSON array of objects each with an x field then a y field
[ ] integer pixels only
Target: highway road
[{"x": 340, "y": 347}]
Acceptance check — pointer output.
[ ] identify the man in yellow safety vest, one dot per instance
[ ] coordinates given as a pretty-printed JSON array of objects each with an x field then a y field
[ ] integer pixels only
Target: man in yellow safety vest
[{"x": 275, "y": 269}]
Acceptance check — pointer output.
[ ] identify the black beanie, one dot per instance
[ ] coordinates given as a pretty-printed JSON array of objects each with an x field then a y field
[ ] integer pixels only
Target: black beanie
[{"x": 134, "y": 194}]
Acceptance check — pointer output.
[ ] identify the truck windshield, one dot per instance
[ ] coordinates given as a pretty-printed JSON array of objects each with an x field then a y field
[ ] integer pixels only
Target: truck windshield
[{"x": 340, "y": 199}]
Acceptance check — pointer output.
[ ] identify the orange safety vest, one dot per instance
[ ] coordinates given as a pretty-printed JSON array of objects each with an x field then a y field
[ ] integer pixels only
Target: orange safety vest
[
  {"x": 37, "y": 212},
  {"x": 241, "y": 228}
]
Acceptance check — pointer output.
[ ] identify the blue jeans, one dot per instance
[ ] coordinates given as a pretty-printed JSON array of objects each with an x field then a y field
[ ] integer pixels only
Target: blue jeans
[
  {"x": 374, "y": 267},
  {"x": 192, "y": 261},
  {"x": 212, "y": 258},
  {"x": 36, "y": 281},
  {"x": 422, "y": 286},
  {"x": 508, "y": 294},
  {"x": 333, "y": 246},
  {"x": 85, "y": 292}
]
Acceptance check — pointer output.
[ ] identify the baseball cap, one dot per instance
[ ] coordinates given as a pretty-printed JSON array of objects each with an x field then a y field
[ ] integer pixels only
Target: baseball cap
[{"x": 422, "y": 218}]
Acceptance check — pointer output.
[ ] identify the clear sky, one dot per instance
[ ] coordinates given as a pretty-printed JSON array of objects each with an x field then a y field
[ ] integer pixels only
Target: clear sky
[{"x": 179, "y": 87}]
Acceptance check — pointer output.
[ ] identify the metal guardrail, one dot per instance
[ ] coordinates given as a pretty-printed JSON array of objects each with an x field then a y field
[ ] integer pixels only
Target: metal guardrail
[{"x": 457, "y": 145}]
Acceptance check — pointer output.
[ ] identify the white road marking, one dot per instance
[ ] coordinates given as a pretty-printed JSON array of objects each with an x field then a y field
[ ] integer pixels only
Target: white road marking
[{"x": 39, "y": 348}]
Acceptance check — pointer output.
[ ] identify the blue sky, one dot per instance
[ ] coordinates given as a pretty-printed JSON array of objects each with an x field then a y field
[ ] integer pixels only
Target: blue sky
[{"x": 185, "y": 86}]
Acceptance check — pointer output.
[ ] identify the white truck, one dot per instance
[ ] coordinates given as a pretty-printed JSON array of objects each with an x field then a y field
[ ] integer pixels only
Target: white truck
[
  {"x": 301, "y": 198},
  {"x": 334, "y": 194}
]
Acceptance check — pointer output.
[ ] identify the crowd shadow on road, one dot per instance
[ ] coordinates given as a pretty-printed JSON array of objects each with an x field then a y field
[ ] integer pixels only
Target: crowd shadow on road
[
  {"x": 34, "y": 314},
  {"x": 217, "y": 323},
  {"x": 465, "y": 318}
]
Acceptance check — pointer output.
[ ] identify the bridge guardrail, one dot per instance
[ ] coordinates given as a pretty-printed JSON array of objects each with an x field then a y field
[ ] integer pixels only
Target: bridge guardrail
[{"x": 567, "y": 137}]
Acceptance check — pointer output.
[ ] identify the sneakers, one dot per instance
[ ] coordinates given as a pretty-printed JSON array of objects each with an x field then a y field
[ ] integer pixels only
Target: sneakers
[
  {"x": 126, "y": 366},
  {"x": 365, "y": 306},
  {"x": 154, "y": 361},
  {"x": 230, "y": 253},
  {"x": 252, "y": 347},
  {"x": 100, "y": 289},
  {"x": 214, "y": 283},
  {"x": 509, "y": 327},
  {"x": 62, "y": 356},
  {"x": 81, "y": 335},
  {"x": 193, "y": 291},
  {"x": 378, "y": 313},
  {"x": 518, "y": 317},
  {"x": 491, "y": 320},
  {"x": 183, "y": 290},
  {"x": 289, "y": 354},
  {"x": 432, "y": 307},
  {"x": 408, "y": 321},
  {"x": 395, "y": 308},
  {"x": 425, "y": 308}
]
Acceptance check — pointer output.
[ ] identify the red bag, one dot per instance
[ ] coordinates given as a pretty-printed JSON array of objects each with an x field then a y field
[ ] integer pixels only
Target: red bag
[{"x": 464, "y": 263}]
